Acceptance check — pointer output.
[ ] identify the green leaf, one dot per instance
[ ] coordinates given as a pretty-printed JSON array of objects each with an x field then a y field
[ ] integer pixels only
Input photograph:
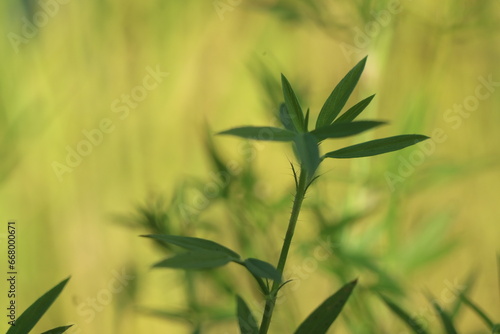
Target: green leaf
[
  {"x": 340, "y": 95},
  {"x": 218, "y": 163},
  {"x": 292, "y": 105},
  {"x": 445, "y": 319},
  {"x": 320, "y": 320},
  {"x": 195, "y": 244},
  {"x": 307, "y": 150},
  {"x": 196, "y": 260},
  {"x": 342, "y": 130},
  {"x": 246, "y": 321},
  {"x": 266, "y": 133},
  {"x": 354, "y": 111},
  {"x": 403, "y": 315},
  {"x": 32, "y": 314},
  {"x": 58, "y": 330},
  {"x": 306, "y": 120},
  {"x": 375, "y": 147},
  {"x": 469, "y": 284},
  {"x": 487, "y": 320},
  {"x": 285, "y": 118},
  {"x": 262, "y": 269},
  {"x": 495, "y": 329}
]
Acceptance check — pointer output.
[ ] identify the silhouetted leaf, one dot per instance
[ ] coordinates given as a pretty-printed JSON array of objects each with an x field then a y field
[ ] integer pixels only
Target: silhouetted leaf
[
  {"x": 58, "y": 330},
  {"x": 306, "y": 120},
  {"x": 307, "y": 151},
  {"x": 246, "y": 321},
  {"x": 292, "y": 105},
  {"x": 445, "y": 319},
  {"x": 195, "y": 244},
  {"x": 29, "y": 318},
  {"x": 320, "y": 320},
  {"x": 354, "y": 111},
  {"x": 340, "y": 95},
  {"x": 219, "y": 165},
  {"x": 467, "y": 287},
  {"x": 262, "y": 269},
  {"x": 196, "y": 260},
  {"x": 266, "y": 133},
  {"x": 342, "y": 130},
  {"x": 403, "y": 315},
  {"x": 375, "y": 147},
  {"x": 285, "y": 118},
  {"x": 487, "y": 320}
]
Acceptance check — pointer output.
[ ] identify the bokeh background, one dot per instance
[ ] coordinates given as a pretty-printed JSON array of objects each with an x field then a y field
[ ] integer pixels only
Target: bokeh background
[{"x": 415, "y": 222}]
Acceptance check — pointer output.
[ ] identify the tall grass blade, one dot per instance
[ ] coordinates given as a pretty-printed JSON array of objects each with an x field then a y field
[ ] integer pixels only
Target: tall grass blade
[
  {"x": 445, "y": 319},
  {"x": 487, "y": 320},
  {"x": 403, "y": 315}
]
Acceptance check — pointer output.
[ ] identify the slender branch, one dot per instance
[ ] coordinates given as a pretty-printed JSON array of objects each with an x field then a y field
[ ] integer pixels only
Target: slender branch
[{"x": 297, "y": 204}]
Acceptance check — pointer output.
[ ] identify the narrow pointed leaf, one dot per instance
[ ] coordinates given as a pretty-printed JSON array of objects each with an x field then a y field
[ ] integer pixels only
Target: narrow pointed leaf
[
  {"x": 262, "y": 269},
  {"x": 342, "y": 130},
  {"x": 218, "y": 163},
  {"x": 487, "y": 320},
  {"x": 354, "y": 111},
  {"x": 292, "y": 105},
  {"x": 445, "y": 319},
  {"x": 265, "y": 133},
  {"x": 195, "y": 244},
  {"x": 307, "y": 150},
  {"x": 306, "y": 121},
  {"x": 196, "y": 260},
  {"x": 469, "y": 284},
  {"x": 403, "y": 315},
  {"x": 320, "y": 320},
  {"x": 285, "y": 118},
  {"x": 29, "y": 318},
  {"x": 495, "y": 329},
  {"x": 375, "y": 147},
  {"x": 246, "y": 320},
  {"x": 58, "y": 330},
  {"x": 340, "y": 95}
]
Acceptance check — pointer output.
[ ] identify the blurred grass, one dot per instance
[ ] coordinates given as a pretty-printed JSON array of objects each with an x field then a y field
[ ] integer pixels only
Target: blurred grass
[{"x": 63, "y": 81}]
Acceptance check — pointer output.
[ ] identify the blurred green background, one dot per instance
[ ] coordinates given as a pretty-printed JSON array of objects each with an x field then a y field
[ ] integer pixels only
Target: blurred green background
[{"x": 429, "y": 213}]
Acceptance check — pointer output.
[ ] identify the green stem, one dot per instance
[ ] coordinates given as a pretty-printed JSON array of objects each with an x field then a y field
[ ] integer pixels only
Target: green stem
[{"x": 297, "y": 204}]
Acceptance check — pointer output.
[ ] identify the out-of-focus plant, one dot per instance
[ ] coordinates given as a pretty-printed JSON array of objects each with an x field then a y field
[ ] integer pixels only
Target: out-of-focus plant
[
  {"x": 206, "y": 254},
  {"x": 448, "y": 317}
]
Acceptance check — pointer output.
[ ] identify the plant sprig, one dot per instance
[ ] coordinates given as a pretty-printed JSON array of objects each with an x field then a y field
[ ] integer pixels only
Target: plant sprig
[{"x": 203, "y": 254}]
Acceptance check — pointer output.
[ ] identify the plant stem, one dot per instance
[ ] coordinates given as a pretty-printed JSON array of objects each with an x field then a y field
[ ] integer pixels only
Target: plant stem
[{"x": 297, "y": 204}]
